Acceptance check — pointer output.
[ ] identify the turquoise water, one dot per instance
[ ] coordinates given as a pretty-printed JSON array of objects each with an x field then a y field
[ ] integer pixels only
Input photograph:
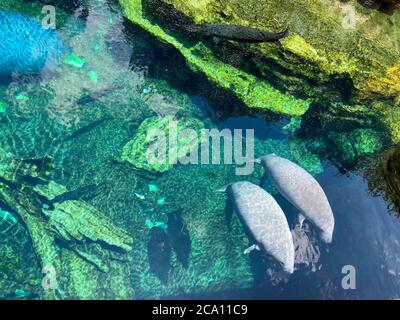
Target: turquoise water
[{"x": 82, "y": 114}]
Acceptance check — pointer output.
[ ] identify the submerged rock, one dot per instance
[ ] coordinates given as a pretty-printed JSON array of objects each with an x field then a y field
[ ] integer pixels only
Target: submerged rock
[
  {"x": 351, "y": 146},
  {"x": 26, "y": 47},
  {"x": 252, "y": 91},
  {"x": 336, "y": 51},
  {"x": 384, "y": 178},
  {"x": 320, "y": 48},
  {"x": 73, "y": 228},
  {"x": 160, "y": 130}
]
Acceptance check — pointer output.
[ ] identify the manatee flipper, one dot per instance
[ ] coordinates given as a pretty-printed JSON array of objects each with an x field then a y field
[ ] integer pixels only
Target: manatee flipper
[
  {"x": 301, "y": 219},
  {"x": 252, "y": 248}
]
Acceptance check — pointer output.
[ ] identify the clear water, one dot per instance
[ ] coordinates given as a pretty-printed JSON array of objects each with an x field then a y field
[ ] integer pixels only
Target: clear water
[{"x": 82, "y": 118}]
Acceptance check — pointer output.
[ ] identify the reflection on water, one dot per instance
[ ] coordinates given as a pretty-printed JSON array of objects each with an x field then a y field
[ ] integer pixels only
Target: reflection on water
[{"x": 182, "y": 244}]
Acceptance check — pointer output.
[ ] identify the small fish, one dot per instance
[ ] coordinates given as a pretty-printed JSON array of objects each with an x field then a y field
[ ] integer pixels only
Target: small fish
[
  {"x": 86, "y": 129},
  {"x": 21, "y": 97},
  {"x": 140, "y": 196},
  {"x": 161, "y": 201},
  {"x": 85, "y": 192}
]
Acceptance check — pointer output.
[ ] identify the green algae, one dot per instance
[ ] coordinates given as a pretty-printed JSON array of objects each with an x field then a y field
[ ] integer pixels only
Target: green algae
[
  {"x": 254, "y": 92},
  {"x": 319, "y": 47},
  {"x": 356, "y": 144},
  {"x": 137, "y": 150},
  {"x": 80, "y": 227}
]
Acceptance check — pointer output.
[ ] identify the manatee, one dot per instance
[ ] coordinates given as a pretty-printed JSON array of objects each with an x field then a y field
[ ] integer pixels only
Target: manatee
[
  {"x": 236, "y": 33},
  {"x": 265, "y": 220},
  {"x": 303, "y": 191},
  {"x": 159, "y": 253},
  {"x": 26, "y": 47}
]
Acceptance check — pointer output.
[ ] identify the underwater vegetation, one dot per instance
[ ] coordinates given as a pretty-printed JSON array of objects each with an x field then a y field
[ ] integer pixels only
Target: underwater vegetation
[
  {"x": 66, "y": 223},
  {"x": 78, "y": 195},
  {"x": 318, "y": 60},
  {"x": 26, "y": 47}
]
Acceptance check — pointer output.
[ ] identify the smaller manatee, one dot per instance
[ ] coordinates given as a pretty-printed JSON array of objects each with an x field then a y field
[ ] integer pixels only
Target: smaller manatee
[
  {"x": 265, "y": 220},
  {"x": 303, "y": 191}
]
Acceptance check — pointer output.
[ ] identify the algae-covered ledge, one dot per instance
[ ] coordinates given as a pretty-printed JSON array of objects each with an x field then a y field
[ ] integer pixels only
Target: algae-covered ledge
[
  {"x": 253, "y": 92},
  {"x": 320, "y": 60}
]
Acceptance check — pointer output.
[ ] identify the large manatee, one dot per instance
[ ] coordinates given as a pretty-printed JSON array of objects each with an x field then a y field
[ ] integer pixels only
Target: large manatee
[
  {"x": 265, "y": 219},
  {"x": 26, "y": 47},
  {"x": 303, "y": 191}
]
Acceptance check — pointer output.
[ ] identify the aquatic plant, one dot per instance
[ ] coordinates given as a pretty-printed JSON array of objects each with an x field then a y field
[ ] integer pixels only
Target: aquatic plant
[{"x": 356, "y": 144}]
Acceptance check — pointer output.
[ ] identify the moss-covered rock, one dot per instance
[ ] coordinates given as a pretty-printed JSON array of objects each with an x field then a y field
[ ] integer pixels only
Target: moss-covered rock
[
  {"x": 136, "y": 151},
  {"x": 356, "y": 144},
  {"x": 327, "y": 56},
  {"x": 320, "y": 47},
  {"x": 94, "y": 242},
  {"x": 255, "y": 93}
]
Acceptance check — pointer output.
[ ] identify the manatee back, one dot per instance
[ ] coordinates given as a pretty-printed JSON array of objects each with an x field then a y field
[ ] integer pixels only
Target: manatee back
[
  {"x": 302, "y": 190},
  {"x": 266, "y": 221}
]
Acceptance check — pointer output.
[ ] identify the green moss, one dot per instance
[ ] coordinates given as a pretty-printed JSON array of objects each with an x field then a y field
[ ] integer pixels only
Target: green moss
[
  {"x": 358, "y": 143},
  {"x": 9, "y": 260},
  {"x": 293, "y": 149},
  {"x": 319, "y": 47},
  {"x": 254, "y": 92},
  {"x": 137, "y": 150}
]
